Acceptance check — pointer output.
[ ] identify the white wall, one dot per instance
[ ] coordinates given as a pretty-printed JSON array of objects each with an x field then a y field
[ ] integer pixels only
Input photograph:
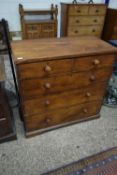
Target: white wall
[{"x": 9, "y": 9}]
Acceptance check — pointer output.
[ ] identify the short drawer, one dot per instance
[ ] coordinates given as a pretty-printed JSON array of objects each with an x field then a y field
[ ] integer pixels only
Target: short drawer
[
  {"x": 65, "y": 99},
  {"x": 62, "y": 116},
  {"x": 85, "y": 20},
  {"x": 93, "y": 62},
  {"x": 78, "y": 10},
  {"x": 84, "y": 30},
  {"x": 44, "y": 69},
  {"x": 39, "y": 87},
  {"x": 97, "y": 10}
]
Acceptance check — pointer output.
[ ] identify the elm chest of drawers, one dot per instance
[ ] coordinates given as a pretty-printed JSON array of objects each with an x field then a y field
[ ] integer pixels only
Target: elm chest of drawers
[
  {"x": 61, "y": 81},
  {"x": 82, "y": 19}
]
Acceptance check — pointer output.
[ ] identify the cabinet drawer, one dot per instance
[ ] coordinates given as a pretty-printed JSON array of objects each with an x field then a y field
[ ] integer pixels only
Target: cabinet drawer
[
  {"x": 39, "y": 87},
  {"x": 93, "y": 62},
  {"x": 78, "y": 10},
  {"x": 62, "y": 116},
  {"x": 65, "y": 99},
  {"x": 85, "y": 20},
  {"x": 44, "y": 69},
  {"x": 84, "y": 30},
  {"x": 97, "y": 10}
]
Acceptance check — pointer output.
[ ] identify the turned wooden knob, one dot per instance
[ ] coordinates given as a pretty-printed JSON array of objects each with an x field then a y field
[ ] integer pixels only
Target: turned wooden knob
[
  {"x": 47, "y": 68},
  {"x": 95, "y": 20},
  {"x": 88, "y": 94},
  {"x": 93, "y": 30},
  {"x": 92, "y": 77},
  {"x": 78, "y": 11},
  {"x": 77, "y": 21},
  {"x": 76, "y": 31},
  {"x": 47, "y": 102},
  {"x": 96, "y": 62},
  {"x": 85, "y": 110},
  {"x": 48, "y": 120},
  {"x": 47, "y": 85},
  {"x": 97, "y": 11}
]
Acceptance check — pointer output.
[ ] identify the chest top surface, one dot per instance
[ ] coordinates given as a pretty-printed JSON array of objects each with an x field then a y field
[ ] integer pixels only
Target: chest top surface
[{"x": 51, "y": 49}]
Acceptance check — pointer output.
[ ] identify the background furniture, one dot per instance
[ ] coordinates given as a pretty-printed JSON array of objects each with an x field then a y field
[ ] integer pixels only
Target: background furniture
[
  {"x": 110, "y": 27},
  {"x": 42, "y": 24},
  {"x": 61, "y": 81},
  {"x": 7, "y": 129},
  {"x": 82, "y": 19}
]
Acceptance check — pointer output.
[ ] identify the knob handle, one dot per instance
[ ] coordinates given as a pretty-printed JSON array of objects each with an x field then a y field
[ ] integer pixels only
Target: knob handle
[
  {"x": 77, "y": 21},
  {"x": 95, "y": 20},
  {"x": 47, "y": 68},
  {"x": 78, "y": 11},
  {"x": 92, "y": 77},
  {"x": 85, "y": 111},
  {"x": 76, "y": 31},
  {"x": 96, "y": 62},
  {"x": 93, "y": 30},
  {"x": 88, "y": 94},
  {"x": 47, "y": 102},
  {"x": 97, "y": 11},
  {"x": 47, "y": 85},
  {"x": 48, "y": 120}
]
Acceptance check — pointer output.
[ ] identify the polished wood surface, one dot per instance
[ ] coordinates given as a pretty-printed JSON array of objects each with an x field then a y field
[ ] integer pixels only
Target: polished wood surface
[
  {"x": 82, "y": 19},
  {"x": 48, "y": 49},
  {"x": 61, "y": 81}
]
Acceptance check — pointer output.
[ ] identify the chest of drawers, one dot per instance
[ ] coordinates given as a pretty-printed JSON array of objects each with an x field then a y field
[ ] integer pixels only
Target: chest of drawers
[
  {"x": 61, "y": 81},
  {"x": 82, "y": 19}
]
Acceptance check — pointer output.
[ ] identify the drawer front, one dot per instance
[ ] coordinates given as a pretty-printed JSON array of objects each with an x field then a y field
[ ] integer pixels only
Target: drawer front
[
  {"x": 78, "y": 10},
  {"x": 97, "y": 10},
  {"x": 93, "y": 62},
  {"x": 65, "y": 99},
  {"x": 85, "y": 20},
  {"x": 44, "y": 69},
  {"x": 62, "y": 116},
  {"x": 84, "y": 30},
  {"x": 39, "y": 87},
  {"x": 5, "y": 128}
]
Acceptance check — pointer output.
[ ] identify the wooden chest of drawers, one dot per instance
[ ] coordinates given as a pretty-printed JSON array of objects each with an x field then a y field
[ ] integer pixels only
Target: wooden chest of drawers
[
  {"x": 61, "y": 81},
  {"x": 82, "y": 19}
]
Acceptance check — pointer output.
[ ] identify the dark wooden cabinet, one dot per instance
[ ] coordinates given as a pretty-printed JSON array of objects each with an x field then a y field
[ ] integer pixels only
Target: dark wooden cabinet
[
  {"x": 38, "y": 23},
  {"x": 7, "y": 129},
  {"x": 82, "y": 19},
  {"x": 110, "y": 27},
  {"x": 61, "y": 81}
]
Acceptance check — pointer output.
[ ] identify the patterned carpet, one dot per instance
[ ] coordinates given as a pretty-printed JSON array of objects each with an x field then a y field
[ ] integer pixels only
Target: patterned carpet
[{"x": 104, "y": 163}]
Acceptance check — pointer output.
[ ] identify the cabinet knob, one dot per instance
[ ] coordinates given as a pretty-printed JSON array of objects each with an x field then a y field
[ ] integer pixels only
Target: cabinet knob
[
  {"x": 47, "y": 102},
  {"x": 97, "y": 11},
  {"x": 47, "y": 85},
  {"x": 47, "y": 68},
  {"x": 96, "y": 62},
  {"x": 76, "y": 31},
  {"x": 95, "y": 20},
  {"x": 88, "y": 94},
  {"x": 92, "y": 78},
  {"x": 78, "y": 11},
  {"x": 48, "y": 120},
  {"x": 77, "y": 21},
  {"x": 93, "y": 30},
  {"x": 85, "y": 110}
]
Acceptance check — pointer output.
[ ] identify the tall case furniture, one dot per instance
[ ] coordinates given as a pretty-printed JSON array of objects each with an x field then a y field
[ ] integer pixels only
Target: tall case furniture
[
  {"x": 82, "y": 19},
  {"x": 110, "y": 27},
  {"x": 61, "y": 81},
  {"x": 38, "y": 23}
]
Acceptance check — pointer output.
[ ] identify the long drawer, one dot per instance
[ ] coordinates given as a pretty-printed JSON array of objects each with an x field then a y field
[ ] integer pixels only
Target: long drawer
[
  {"x": 61, "y": 116},
  {"x": 94, "y": 30},
  {"x": 85, "y": 20},
  {"x": 65, "y": 99},
  {"x": 57, "y": 67},
  {"x": 39, "y": 87}
]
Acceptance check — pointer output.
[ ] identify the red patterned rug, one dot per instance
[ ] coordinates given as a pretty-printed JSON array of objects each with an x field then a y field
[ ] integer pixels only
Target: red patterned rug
[{"x": 104, "y": 163}]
